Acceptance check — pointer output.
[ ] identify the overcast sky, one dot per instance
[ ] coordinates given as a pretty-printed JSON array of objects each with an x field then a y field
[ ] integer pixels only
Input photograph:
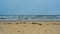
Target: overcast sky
[{"x": 29, "y": 7}]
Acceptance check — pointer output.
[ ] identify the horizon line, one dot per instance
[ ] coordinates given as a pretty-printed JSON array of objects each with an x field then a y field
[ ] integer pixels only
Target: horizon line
[{"x": 29, "y": 15}]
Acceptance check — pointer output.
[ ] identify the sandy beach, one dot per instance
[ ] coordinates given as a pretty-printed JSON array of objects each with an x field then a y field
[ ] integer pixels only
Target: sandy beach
[{"x": 29, "y": 27}]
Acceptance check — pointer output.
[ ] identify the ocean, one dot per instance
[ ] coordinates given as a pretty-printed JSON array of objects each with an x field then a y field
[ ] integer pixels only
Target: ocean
[{"x": 29, "y": 17}]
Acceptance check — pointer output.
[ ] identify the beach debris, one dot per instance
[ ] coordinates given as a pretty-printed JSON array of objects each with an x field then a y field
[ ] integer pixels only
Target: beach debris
[
  {"x": 21, "y": 31},
  {"x": 8, "y": 23},
  {"x": 56, "y": 23},
  {"x": 18, "y": 31},
  {"x": 0, "y": 27},
  {"x": 33, "y": 23},
  {"x": 48, "y": 24},
  {"x": 1, "y": 30},
  {"x": 40, "y": 24},
  {"x": 24, "y": 22},
  {"x": 4, "y": 23},
  {"x": 17, "y": 23}
]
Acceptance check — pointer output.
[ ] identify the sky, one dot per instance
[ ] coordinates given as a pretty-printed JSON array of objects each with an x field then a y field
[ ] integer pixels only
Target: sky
[{"x": 29, "y": 7}]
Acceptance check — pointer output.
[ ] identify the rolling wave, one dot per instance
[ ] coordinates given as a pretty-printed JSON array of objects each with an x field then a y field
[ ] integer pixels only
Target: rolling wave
[{"x": 30, "y": 17}]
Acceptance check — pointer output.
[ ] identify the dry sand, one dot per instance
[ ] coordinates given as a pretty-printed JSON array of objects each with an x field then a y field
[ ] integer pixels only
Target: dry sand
[{"x": 30, "y": 28}]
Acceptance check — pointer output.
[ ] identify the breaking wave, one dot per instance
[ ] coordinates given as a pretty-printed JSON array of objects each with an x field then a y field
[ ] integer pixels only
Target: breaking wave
[{"x": 29, "y": 17}]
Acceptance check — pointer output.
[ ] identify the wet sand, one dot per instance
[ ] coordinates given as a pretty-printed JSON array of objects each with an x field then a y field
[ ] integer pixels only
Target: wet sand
[{"x": 29, "y": 27}]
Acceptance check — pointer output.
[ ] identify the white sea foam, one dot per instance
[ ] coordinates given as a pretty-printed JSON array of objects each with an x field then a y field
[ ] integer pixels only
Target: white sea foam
[{"x": 30, "y": 17}]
